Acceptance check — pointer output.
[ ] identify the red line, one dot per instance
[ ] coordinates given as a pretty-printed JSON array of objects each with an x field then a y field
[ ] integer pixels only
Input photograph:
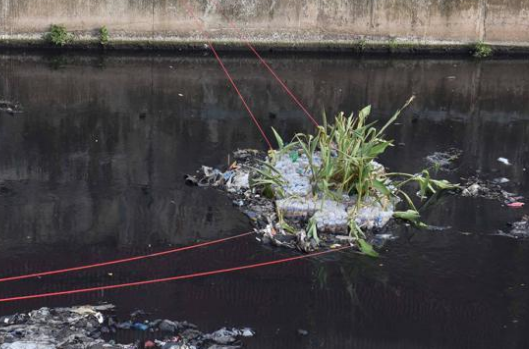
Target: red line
[
  {"x": 267, "y": 66},
  {"x": 173, "y": 278},
  {"x": 191, "y": 12},
  {"x": 285, "y": 87},
  {"x": 240, "y": 95},
  {"x": 124, "y": 260}
]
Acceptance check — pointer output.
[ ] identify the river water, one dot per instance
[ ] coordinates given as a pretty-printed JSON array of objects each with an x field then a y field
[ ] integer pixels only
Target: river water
[{"x": 93, "y": 167}]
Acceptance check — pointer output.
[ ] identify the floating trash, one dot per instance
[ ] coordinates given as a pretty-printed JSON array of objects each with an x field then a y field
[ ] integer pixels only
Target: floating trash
[
  {"x": 318, "y": 189},
  {"x": 10, "y": 107},
  {"x": 476, "y": 187},
  {"x": 83, "y": 327},
  {"x": 444, "y": 160},
  {"x": 516, "y": 204},
  {"x": 504, "y": 161},
  {"x": 501, "y": 180},
  {"x": 520, "y": 229}
]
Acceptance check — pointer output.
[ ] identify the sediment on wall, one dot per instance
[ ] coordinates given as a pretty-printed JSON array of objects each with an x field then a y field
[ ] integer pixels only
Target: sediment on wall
[{"x": 371, "y": 47}]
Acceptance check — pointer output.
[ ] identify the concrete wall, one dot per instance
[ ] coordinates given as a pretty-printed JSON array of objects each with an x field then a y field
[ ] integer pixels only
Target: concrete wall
[{"x": 287, "y": 21}]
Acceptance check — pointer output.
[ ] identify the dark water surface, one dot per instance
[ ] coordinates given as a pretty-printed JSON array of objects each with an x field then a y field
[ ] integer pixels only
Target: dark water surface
[{"x": 92, "y": 170}]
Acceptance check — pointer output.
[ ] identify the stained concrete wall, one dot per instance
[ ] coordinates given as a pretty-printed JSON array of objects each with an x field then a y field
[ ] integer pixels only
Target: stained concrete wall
[{"x": 279, "y": 21}]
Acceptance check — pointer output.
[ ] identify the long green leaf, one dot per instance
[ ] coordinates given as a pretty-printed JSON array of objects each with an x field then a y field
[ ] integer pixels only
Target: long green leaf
[
  {"x": 394, "y": 117},
  {"x": 279, "y": 140},
  {"x": 367, "y": 248},
  {"x": 381, "y": 187},
  {"x": 409, "y": 215}
]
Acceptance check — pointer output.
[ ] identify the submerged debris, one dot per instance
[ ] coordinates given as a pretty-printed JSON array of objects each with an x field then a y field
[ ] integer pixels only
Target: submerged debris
[
  {"x": 504, "y": 161},
  {"x": 82, "y": 328},
  {"x": 501, "y": 180},
  {"x": 10, "y": 107},
  {"x": 444, "y": 160},
  {"x": 520, "y": 229},
  {"x": 476, "y": 187}
]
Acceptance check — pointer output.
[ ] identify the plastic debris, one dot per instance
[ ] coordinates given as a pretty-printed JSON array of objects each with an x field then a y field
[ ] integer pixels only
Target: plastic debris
[
  {"x": 80, "y": 328},
  {"x": 501, "y": 180},
  {"x": 149, "y": 344},
  {"x": 375, "y": 214},
  {"x": 516, "y": 204},
  {"x": 296, "y": 174},
  {"x": 504, "y": 161},
  {"x": 303, "y": 332},
  {"x": 10, "y": 107},
  {"x": 296, "y": 208},
  {"x": 476, "y": 187},
  {"x": 521, "y": 229},
  {"x": 247, "y": 332},
  {"x": 140, "y": 326},
  {"x": 331, "y": 216},
  {"x": 168, "y": 326},
  {"x": 444, "y": 160},
  {"x": 472, "y": 190},
  {"x": 222, "y": 336},
  {"x": 283, "y": 222},
  {"x": 86, "y": 310}
]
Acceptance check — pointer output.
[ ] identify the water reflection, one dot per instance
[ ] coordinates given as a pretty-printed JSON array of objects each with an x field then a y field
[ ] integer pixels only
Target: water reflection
[{"x": 92, "y": 169}]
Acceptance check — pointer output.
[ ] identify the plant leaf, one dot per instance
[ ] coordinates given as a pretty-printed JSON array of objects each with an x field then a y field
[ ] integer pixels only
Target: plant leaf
[
  {"x": 444, "y": 184},
  {"x": 378, "y": 185},
  {"x": 367, "y": 248},
  {"x": 279, "y": 140},
  {"x": 412, "y": 216},
  {"x": 378, "y": 149},
  {"x": 409, "y": 215},
  {"x": 395, "y": 116},
  {"x": 364, "y": 113}
]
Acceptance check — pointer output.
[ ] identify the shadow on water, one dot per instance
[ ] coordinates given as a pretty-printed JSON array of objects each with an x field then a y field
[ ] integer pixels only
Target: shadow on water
[{"x": 92, "y": 169}]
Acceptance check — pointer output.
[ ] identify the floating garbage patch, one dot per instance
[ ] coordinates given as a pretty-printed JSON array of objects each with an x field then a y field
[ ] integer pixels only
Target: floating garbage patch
[
  {"x": 517, "y": 230},
  {"x": 282, "y": 220},
  {"x": 492, "y": 190},
  {"x": 84, "y": 327},
  {"x": 10, "y": 107},
  {"x": 322, "y": 190},
  {"x": 444, "y": 161},
  {"x": 329, "y": 214},
  {"x": 520, "y": 229}
]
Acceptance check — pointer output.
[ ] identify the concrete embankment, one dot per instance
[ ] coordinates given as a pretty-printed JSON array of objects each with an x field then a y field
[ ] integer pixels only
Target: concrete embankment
[{"x": 340, "y": 25}]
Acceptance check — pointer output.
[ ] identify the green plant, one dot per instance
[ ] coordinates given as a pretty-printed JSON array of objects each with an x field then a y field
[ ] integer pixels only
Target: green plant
[
  {"x": 58, "y": 35},
  {"x": 268, "y": 179},
  {"x": 104, "y": 35},
  {"x": 360, "y": 237},
  {"x": 346, "y": 152},
  {"x": 361, "y": 45},
  {"x": 312, "y": 230},
  {"x": 481, "y": 50}
]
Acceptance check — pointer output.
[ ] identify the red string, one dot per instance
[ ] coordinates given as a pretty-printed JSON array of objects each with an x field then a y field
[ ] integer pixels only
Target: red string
[
  {"x": 240, "y": 95},
  {"x": 228, "y": 75},
  {"x": 173, "y": 278},
  {"x": 124, "y": 260},
  {"x": 267, "y": 66}
]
